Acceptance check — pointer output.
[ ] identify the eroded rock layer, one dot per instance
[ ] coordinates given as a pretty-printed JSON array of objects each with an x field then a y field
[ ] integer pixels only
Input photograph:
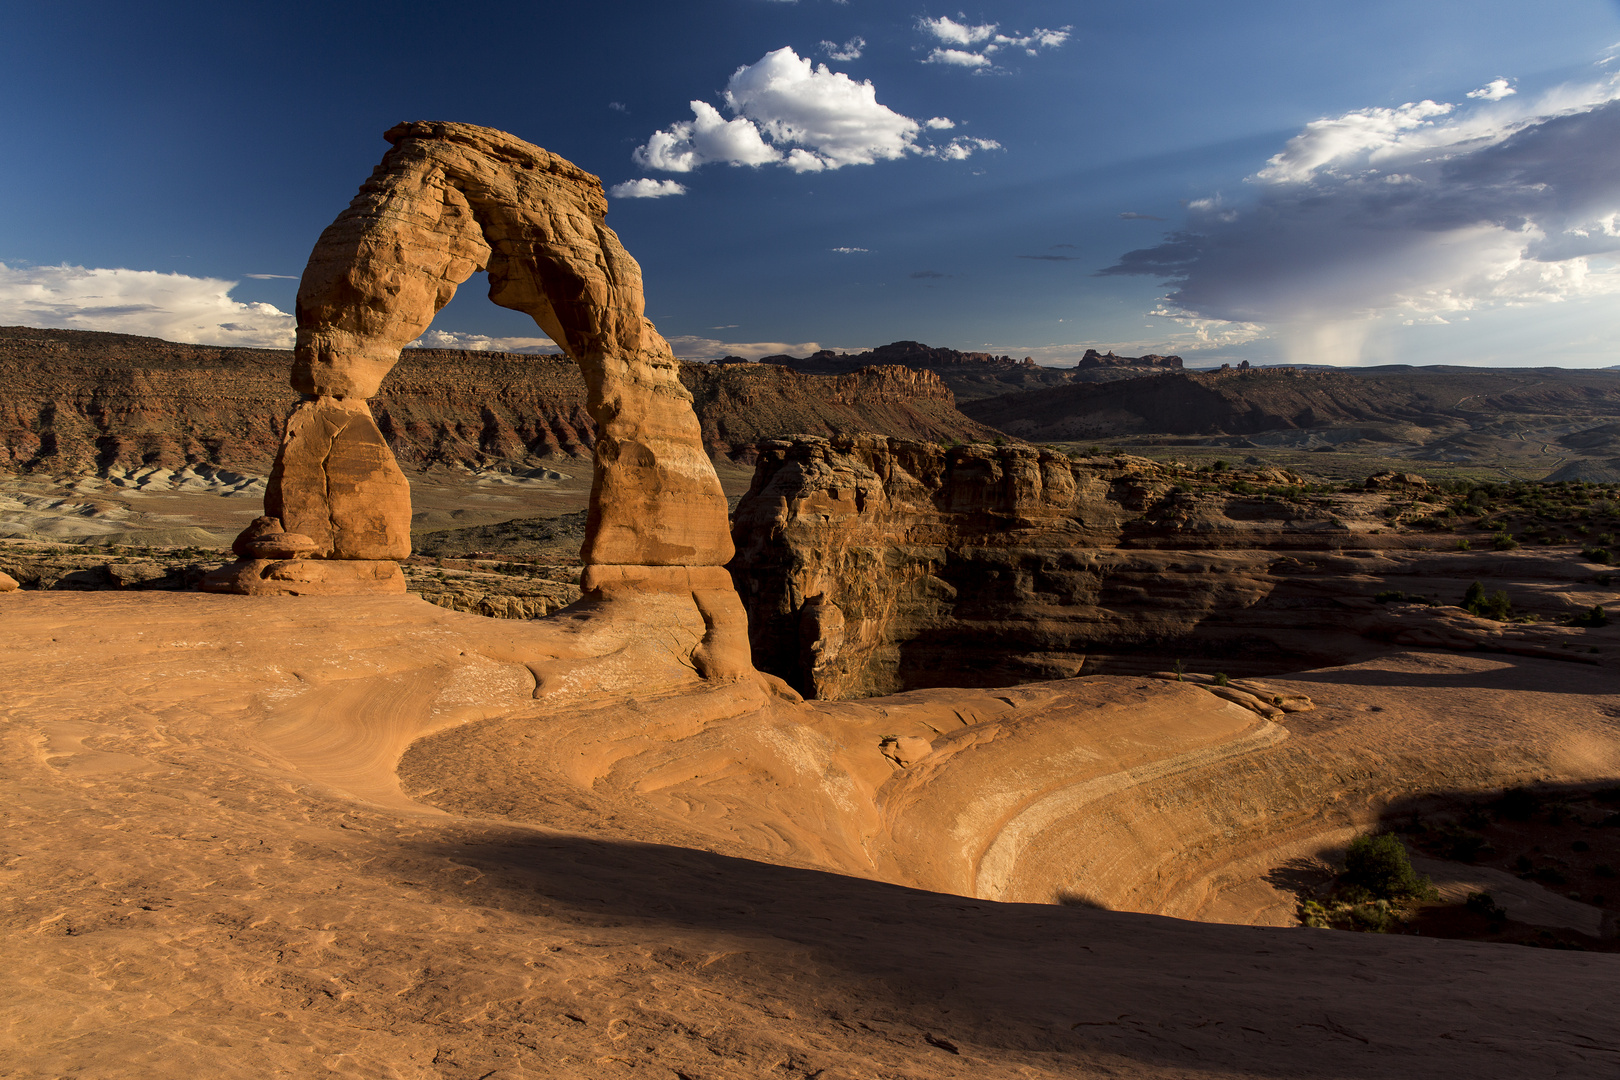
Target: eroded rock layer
[
  {"x": 872, "y": 565},
  {"x": 82, "y": 401}
]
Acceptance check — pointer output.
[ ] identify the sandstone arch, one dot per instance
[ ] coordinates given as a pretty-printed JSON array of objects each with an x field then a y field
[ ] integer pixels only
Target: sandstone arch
[{"x": 446, "y": 201}]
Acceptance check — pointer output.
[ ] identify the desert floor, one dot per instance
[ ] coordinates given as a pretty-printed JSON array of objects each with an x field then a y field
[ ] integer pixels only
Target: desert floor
[{"x": 212, "y": 868}]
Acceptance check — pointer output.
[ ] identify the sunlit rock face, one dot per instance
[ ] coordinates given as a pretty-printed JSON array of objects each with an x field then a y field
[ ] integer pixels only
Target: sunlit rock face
[
  {"x": 447, "y": 201},
  {"x": 871, "y": 565}
]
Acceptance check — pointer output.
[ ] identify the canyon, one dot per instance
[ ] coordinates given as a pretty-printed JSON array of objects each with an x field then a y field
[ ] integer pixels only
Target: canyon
[{"x": 871, "y": 565}]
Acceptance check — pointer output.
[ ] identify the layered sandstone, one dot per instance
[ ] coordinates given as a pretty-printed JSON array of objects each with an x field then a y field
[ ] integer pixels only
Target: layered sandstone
[
  {"x": 871, "y": 565},
  {"x": 78, "y": 401}
]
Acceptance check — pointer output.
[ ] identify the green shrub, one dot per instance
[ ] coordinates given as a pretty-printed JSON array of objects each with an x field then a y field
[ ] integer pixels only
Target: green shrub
[
  {"x": 1598, "y": 555},
  {"x": 1380, "y": 865},
  {"x": 1503, "y": 542},
  {"x": 1596, "y": 617}
]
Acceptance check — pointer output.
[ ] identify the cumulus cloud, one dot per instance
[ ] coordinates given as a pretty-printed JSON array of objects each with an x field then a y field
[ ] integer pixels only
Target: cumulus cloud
[
  {"x": 451, "y": 339},
  {"x": 1495, "y": 90},
  {"x": 646, "y": 189},
  {"x": 692, "y": 347},
  {"x": 705, "y": 138},
  {"x": 957, "y": 33},
  {"x": 939, "y": 123},
  {"x": 958, "y": 57},
  {"x": 787, "y": 111},
  {"x": 849, "y": 50},
  {"x": 962, "y": 147},
  {"x": 964, "y": 44},
  {"x": 1414, "y": 213},
  {"x": 174, "y": 307}
]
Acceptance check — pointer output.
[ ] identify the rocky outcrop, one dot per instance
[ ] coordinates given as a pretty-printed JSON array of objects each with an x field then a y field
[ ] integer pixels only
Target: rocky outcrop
[
  {"x": 871, "y": 565},
  {"x": 1093, "y": 358}
]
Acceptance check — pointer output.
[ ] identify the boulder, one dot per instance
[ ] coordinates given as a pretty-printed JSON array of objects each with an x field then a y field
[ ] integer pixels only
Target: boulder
[{"x": 7, "y": 582}]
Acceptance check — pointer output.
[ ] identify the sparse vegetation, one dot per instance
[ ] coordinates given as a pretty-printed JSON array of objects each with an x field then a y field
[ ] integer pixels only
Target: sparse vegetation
[
  {"x": 1595, "y": 617},
  {"x": 1375, "y": 892},
  {"x": 1379, "y": 864}
]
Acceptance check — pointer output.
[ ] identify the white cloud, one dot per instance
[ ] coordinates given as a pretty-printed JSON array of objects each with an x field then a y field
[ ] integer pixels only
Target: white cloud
[
  {"x": 823, "y": 111},
  {"x": 1413, "y": 213},
  {"x": 957, "y": 33},
  {"x": 963, "y": 147},
  {"x": 848, "y": 250},
  {"x": 646, "y": 189},
  {"x": 790, "y": 112},
  {"x": 690, "y": 347},
  {"x": 451, "y": 339},
  {"x": 705, "y": 138},
  {"x": 174, "y": 307},
  {"x": 972, "y": 46},
  {"x": 849, "y": 50},
  {"x": 958, "y": 57},
  {"x": 272, "y": 277},
  {"x": 1348, "y": 140},
  {"x": 940, "y": 123},
  {"x": 1495, "y": 90}
]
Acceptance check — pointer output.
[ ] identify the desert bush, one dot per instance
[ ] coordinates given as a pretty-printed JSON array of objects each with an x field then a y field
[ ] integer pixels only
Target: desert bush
[
  {"x": 1503, "y": 542},
  {"x": 1495, "y": 606},
  {"x": 1379, "y": 864},
  {"x": 1598, "y": 555},
  {"x": 1596, "y": 617}
]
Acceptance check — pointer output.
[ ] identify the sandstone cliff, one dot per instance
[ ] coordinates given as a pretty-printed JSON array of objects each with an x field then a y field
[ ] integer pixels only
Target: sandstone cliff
[
  {"x": 76, "y": 401},
  {"x": 871, "y": 565}
]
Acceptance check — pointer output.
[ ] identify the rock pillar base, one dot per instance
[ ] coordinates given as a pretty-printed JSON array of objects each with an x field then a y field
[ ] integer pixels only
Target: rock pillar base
[
  {"x": 307, "y": 577},
  {"x": 724, "y": 651}
]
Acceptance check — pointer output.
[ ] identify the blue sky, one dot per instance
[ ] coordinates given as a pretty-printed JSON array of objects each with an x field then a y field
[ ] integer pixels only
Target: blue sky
[{"x": 1376, "y": 182}]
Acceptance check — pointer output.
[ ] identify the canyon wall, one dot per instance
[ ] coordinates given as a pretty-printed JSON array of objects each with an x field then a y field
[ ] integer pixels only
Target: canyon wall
[
  {"x": 84, "y": 401},
  {"x": 871, "y": 565}
]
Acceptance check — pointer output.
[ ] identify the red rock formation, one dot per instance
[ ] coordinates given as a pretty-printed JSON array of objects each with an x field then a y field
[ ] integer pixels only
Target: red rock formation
[
  {"x": 1093, "y": 358},
  {"x": 871, "y": 565},
  {"x": 449, "y": 200}
]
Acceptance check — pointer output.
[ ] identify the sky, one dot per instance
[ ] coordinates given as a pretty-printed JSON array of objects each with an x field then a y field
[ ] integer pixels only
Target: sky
[{"x": 1279, "y": 181}]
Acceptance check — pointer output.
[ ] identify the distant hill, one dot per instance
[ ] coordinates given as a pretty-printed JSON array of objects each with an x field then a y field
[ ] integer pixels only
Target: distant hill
[
  {"x": 1393, "y": 400},
  {"x": 73, "y": 400},
  {"x": 970, "y": 375}
]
